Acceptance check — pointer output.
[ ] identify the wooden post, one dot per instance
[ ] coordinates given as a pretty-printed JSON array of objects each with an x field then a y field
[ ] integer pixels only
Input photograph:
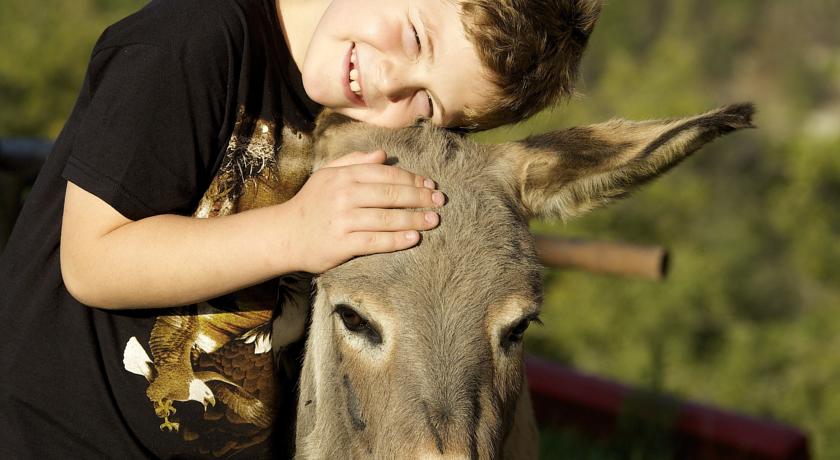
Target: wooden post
[{"x": 649, "y": 262}]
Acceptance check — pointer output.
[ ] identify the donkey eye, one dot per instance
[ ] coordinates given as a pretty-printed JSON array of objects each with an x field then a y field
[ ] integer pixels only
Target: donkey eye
[
  {"x": 354, "y": 322},
  {"x": 517, "y": 332}
]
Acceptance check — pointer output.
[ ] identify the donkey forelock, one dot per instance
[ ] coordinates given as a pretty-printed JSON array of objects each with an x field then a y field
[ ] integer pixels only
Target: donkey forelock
[{"x": 482, "y": 236}]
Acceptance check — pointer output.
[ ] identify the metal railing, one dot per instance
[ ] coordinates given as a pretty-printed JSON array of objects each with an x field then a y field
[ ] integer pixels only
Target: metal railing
[
  {"x": 20, "y": 161},
  {"x": 601, "y": 409},
  {"x": 23, "y": 156}
]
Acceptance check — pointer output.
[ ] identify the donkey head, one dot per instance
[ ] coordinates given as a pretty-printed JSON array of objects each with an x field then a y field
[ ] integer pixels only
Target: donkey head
[{"x": 419, "y": 353}]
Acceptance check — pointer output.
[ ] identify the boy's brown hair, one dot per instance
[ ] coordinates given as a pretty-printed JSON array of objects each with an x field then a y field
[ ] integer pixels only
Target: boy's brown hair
[{"x": 532, "y": 50}]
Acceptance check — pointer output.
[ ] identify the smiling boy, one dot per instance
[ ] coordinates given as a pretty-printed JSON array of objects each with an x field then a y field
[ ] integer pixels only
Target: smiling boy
[
  {"x": 410, "y": 60},
  {"x": 197, "y": 109}
]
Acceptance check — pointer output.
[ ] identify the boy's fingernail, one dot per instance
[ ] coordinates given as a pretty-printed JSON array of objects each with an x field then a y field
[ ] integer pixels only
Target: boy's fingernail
[
  {"x": 437, "y": 197},
  {"x": 411, "y": 236},
  {"x": 431, "y": 217},
  {"x": 428, "y": 183}
]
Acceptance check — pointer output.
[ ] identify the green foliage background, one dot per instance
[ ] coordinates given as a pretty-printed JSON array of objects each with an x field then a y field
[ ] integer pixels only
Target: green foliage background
[{"x": 750, "y": 316}]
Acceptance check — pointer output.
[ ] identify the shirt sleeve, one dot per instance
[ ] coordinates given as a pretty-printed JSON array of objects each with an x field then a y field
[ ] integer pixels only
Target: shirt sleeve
[{"x": 149, "y": 137}]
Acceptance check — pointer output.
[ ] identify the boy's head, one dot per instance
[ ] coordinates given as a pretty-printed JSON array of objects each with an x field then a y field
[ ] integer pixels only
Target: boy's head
[
  {"x": 463, "y": 63},
  {"x": 531, "y": 50}
]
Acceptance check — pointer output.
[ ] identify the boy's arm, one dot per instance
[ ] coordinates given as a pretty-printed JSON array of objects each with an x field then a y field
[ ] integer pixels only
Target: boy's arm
[{"x": 345, "y": 210}]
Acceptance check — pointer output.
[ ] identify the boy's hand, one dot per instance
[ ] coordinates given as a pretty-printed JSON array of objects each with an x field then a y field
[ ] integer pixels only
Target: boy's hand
[{"x": 351, "y": 207}]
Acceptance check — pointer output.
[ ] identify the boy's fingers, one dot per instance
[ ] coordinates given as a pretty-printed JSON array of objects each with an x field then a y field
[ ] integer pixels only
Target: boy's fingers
[
  {"x": 355, "y": 158},
  {"x": 392, "y": 220},
  {"x": 384, "y": 174},
  {"x": 394, "y": 196},
  {"x": 364, "y": 243}
]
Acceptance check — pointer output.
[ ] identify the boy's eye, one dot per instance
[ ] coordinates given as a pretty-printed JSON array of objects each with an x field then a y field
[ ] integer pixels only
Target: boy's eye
[
  {"x": 423, "y": 105},
  {"x": 431, "y": 105},
  {"x": 416, "y": 37}
]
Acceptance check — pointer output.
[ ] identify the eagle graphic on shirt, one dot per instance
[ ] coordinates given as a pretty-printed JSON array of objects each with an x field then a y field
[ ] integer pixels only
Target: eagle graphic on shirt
[{"x": 218, "y": 353}]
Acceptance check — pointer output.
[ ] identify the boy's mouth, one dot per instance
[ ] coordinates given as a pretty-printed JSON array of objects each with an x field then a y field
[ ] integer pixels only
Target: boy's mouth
[{"x": 352, "y": 78}]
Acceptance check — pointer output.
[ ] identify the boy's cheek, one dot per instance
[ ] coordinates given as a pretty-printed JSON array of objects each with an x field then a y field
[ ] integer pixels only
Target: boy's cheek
[{"x": 321, "y": 73}]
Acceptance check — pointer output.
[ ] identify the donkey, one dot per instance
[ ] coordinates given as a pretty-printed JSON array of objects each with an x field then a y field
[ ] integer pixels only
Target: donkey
[{"x": 418, "y": 353}]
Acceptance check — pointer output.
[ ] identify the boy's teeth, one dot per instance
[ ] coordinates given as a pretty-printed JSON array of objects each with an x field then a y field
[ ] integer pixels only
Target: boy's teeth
[{"x": 354, "y": 74}]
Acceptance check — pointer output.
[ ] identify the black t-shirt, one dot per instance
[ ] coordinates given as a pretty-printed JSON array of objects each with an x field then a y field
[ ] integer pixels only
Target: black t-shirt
[{"x": 190, "y": 107}]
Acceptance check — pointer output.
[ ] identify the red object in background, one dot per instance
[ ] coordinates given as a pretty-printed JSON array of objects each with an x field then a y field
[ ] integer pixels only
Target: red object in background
[{"x": 565, "y": 397}]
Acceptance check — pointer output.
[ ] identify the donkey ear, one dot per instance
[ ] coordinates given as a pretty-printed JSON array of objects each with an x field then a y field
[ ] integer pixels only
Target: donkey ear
[{"x": 567, "y": 173}]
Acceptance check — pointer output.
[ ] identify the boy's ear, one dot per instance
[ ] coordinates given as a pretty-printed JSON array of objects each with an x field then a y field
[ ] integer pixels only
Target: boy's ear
[{"x": 566, "y": 173}]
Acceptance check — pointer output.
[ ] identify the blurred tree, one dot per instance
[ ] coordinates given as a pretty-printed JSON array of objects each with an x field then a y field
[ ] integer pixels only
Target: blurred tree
[{"x": 44, "y": 48}]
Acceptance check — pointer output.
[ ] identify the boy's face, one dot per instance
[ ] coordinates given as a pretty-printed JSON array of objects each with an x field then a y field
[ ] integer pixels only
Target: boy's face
[{"x": 391, "y": 62}]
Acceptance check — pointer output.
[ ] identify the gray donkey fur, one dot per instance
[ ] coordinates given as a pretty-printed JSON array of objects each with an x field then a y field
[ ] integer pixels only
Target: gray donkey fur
[{"x": 418, "y": 353}]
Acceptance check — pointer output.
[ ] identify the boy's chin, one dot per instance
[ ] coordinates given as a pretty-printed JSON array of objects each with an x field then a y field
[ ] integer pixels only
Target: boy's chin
[
  {"x": 321, "y": 94},
  {"x": 367, "y": 116},
  {"x": 351, "y": 112},
  {"x": 354, "y": 113}
]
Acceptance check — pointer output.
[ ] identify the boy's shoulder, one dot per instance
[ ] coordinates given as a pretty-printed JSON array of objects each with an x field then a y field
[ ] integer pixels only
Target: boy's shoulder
[{"x": 187, "y": 25}]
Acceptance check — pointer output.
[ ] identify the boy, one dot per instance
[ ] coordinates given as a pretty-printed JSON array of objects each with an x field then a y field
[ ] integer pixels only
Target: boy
[{"x": 198, "y": 107}]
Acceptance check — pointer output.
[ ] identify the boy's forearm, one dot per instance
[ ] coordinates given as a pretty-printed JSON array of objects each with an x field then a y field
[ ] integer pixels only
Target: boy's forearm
[
  {"x": 352, "y": 207},
  {"x": 170, "y": 260}
]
